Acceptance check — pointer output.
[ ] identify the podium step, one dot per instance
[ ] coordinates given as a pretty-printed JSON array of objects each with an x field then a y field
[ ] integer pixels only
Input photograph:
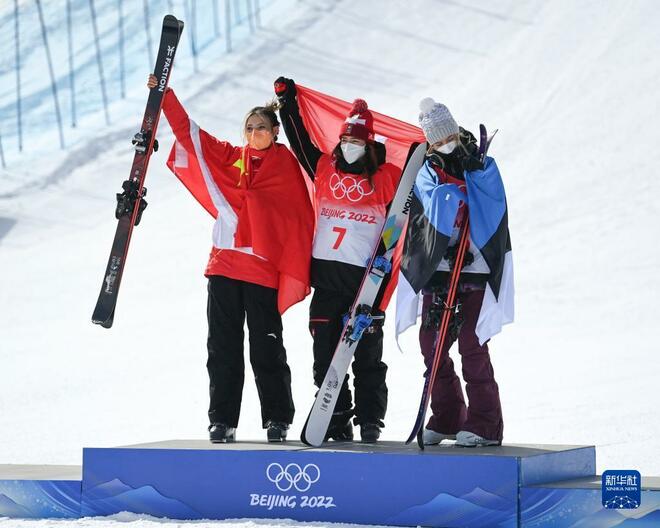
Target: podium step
[
  {"x": 529, "y": 486},
  {"x": 386, "y": 483},
  {"x": 569, "y": 502},
  {"x": 33, "y": 491}
]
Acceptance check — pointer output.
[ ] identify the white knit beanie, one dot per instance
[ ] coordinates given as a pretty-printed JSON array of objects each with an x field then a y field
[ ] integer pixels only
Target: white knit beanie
[{"x": 436, "y": 121}]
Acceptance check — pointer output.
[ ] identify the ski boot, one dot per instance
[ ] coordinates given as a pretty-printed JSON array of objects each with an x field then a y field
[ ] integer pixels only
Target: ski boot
[
  {"x": 432, "y": 437},
  {"x": 340, "y": 428},
  {"x": 220, "y": 433},
  {"x": 369, "y": 433},
  {"x": 340, "y": 433},
  {"x": 468, "y": 439},
  {"x": 276, "y": 431}
]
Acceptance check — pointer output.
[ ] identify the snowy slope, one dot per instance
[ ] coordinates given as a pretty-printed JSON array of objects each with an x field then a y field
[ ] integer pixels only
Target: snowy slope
[
  {"x": 571, "y": 88},
  {"x": 81, "y": 109}
]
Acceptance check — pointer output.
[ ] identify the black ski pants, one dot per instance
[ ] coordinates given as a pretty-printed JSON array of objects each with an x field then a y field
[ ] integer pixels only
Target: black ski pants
[
  {"x": 326, "y": 324},
  {"x": 228, "y": 303}
]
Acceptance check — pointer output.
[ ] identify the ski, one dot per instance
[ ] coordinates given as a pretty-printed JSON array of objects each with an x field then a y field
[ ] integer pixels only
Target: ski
[
  {"x": 131, "y": 202},
  {"x": 485, "y": 140},
  {"x": 449, "y": 308},
  {"x": 359, "y": 317}
]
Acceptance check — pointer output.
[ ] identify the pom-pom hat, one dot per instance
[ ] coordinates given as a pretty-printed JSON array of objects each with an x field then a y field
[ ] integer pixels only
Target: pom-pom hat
[
  {"x": 436, "y": 121},
  {"x": 359, "y": 123}
]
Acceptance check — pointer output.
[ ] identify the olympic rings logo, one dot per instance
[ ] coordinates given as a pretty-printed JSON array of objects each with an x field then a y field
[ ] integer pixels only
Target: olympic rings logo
[
  {"x": 350, "y": 187},
  {"x": 293, "y": 476}
]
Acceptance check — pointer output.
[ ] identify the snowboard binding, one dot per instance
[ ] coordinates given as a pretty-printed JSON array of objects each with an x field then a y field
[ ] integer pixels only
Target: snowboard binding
[
  {"x": 126, "y": 200},
  {"x": 381, "y": 266},
  {"x": 363, "y": 320},
  {"x": 377, "y": 321}
]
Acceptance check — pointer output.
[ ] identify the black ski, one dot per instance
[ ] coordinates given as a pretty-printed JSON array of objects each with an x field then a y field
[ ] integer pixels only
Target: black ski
[{"x": 131, "y": 202}]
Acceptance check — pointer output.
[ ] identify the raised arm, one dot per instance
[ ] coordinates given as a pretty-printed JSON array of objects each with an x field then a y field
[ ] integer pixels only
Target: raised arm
[
  {"x": 185, "y": 130},
  {"x": 178, "y": 119},
  {"x": 307, "y": 153}
]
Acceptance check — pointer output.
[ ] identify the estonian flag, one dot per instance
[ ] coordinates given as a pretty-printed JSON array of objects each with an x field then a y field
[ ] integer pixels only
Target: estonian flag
[{"x": 432, "y": 217}]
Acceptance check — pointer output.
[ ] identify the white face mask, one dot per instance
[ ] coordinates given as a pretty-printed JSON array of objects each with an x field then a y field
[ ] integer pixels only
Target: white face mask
[
  {"x": 352, "y": 152},
  {"x": 447, "y": 148}
]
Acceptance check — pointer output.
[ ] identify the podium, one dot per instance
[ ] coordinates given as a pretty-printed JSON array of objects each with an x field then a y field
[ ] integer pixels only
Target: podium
[
  {"x": 34, "y": 492},
  {"x": 386, "y": 483}
]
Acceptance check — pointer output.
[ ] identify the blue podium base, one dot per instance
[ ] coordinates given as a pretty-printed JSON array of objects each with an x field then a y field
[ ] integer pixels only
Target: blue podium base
[
  {"x": 579, "y": 502},
  {"x": 387, "y": 483},
  {"x": 526, "y": 486},
  {"x": 36, "y": 492}
]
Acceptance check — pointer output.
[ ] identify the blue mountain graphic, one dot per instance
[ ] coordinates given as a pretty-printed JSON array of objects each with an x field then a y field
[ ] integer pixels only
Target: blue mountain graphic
[
  {"x": 606, "y": 518},
  {"x": 116, "y": 496},
  {"x": 481, "y": 497},
  {"x": 585, "y": 509},
  {"x": 108, "y": 489},
  {"x": 650, "y": 520},
  {"x": 449, "y": 511}
]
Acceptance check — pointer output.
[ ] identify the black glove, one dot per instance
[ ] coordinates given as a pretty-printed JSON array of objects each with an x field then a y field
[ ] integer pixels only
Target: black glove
[
  {"x": 468, "y": 156},
  {"x": 285, "y": 89},
  {"x": 471, "y": 163},
  {"x": 456, "y": 162}
]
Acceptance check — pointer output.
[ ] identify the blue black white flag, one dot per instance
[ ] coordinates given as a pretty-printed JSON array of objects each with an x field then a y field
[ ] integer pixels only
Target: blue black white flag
[{"x": 432, "y": 217}]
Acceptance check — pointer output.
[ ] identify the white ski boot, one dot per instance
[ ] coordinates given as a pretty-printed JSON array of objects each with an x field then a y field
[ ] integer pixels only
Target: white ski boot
[
  {"x": 432, "y": 437},
  {"x": 468, "y": 439}
]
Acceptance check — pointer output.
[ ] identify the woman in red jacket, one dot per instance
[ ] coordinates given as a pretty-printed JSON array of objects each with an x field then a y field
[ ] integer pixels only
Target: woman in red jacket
[
  {"x": 259, "y": 263},
  {"x": 353, "y": 187}
]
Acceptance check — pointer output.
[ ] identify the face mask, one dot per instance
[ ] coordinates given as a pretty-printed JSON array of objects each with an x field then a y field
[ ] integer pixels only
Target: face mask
[
  {"x": 352, "y": 152},
  {"x": 260, "y": 140},
  {"x": 447, "y": 148}
]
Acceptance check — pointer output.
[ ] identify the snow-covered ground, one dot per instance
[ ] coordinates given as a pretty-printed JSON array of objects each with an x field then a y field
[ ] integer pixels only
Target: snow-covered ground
[
  {"x": 130, "y": 520},
  {"x": 572, "y": 88}
]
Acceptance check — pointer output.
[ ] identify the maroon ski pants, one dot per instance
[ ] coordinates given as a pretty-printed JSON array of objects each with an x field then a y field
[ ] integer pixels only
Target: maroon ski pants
[{"x": 483, "y": 415}]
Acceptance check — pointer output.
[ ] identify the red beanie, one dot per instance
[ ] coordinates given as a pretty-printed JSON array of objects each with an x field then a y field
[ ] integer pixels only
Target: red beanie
[{"x": 360, "y": 122}]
